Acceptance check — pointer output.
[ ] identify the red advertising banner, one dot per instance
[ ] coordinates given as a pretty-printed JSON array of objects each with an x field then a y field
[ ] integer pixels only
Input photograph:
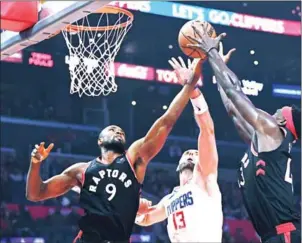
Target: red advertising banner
[
  {"x": 169, "y": 77},
  {"x": 41, "y": 59},
  {"x": 15, "y": 58},
  {"x": 125, "y": 70}
]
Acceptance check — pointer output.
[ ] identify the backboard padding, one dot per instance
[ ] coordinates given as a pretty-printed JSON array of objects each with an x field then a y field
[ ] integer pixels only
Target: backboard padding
[{"x": 12, "y": 42}]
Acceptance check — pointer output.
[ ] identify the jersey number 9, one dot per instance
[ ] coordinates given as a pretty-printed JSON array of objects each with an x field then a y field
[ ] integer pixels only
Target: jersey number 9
[{"x": 111, "y": 190}]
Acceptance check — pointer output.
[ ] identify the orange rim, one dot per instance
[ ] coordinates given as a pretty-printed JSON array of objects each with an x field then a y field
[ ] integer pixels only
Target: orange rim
[{"x": 105, "y": 9}]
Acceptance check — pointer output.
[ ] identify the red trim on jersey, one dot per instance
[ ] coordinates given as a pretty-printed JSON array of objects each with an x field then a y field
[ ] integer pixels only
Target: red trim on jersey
[
  {"x": 288, "y": 115},
  {"x": 286, "y": 229},
  {"x": 260, "y": 172},
  {"x": 131, "y": 165},
  {"x": 287, "y": 237},
  {"x": 261, "y": 162},
  {"x": 78, "y": 236},
  {"x": 83, "y": 176}
]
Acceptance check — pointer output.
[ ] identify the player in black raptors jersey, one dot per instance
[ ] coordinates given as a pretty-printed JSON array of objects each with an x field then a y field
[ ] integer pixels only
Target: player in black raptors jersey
[
  {"x": 264, "y": 174},
  {"x": 111, "y": 183}
]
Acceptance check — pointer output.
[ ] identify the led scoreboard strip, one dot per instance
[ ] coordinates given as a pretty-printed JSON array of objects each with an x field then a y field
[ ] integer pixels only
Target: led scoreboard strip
[
  {"x": 214, "y": 16},
  {"x": 287, "y": 91}
]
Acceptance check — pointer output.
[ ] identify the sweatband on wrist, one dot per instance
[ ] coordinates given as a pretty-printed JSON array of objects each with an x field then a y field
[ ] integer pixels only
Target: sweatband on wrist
[{"x": 199, "y": 104}]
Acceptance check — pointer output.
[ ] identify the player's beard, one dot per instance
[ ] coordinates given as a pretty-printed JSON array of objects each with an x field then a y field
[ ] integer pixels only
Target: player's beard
[
  {"x": 114, "y": 145},
  {"x": 186, "y": 166}
]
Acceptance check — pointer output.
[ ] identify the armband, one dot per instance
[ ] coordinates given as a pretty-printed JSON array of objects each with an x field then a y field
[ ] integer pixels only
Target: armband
[{"x": 199, "y": 104}]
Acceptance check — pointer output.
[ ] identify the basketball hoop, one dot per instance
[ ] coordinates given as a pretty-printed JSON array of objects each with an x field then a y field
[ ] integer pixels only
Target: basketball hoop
[{"x": 92, "y": 50}]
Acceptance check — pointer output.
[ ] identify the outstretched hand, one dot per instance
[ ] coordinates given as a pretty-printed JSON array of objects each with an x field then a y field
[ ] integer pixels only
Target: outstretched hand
[
  {"x": 225, "y": 57},
  {"x": 203, "y": 40},
  {"x": 187, "y": 74},
  {"x": 144, "y": 206},
  {"x": 40, "y": 153}
]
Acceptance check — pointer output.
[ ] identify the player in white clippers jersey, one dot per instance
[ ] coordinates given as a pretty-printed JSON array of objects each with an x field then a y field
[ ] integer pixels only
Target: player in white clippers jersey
[{"x": 193, "y": 209}]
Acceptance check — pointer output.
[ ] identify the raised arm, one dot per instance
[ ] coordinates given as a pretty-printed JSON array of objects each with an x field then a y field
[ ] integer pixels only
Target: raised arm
[
  {"x": 37, "y": 189},
  {"x": 146, "y": 148},
  {"x": 208, "y": 156},
  {"x": 259, "y": 120},
  {"x": 244, "y": 129},
  {"x": 155, "y": 215}
]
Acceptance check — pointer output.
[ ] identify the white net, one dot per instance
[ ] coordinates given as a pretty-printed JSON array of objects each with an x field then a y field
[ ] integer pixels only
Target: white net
[{"x": 92, "y": 52}]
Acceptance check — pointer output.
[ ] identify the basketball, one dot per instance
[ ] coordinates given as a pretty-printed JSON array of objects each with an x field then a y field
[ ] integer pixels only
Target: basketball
[{"x": 186, "y": 31}]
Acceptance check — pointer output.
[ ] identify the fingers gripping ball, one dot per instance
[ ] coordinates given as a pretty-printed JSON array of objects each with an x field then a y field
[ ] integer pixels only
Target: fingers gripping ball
[{"x": 187, "y": 31}]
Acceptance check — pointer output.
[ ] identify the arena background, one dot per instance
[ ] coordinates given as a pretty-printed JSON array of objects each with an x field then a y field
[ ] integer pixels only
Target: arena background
[{"x": 36, "y": 106}]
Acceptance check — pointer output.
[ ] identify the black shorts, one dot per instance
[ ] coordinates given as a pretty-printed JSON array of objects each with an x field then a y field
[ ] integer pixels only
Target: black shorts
[
  {"x": 81, "y": 239},
  {"x": 290, "y": 234}
]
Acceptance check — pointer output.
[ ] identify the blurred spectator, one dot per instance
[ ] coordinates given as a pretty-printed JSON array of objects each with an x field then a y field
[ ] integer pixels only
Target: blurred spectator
[
  {"x": 175, "y": 150},
  {"x": 63, "y": 214}
]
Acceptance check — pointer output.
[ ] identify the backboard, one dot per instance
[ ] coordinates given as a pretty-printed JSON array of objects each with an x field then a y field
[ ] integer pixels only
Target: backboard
[{"x": 53, "y": 16}]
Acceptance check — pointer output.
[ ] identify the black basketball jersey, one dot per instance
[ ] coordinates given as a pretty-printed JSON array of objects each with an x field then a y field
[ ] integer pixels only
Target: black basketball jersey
[
  {"x": 266, "y": 184},
  {"x": 110, "y": 198}
]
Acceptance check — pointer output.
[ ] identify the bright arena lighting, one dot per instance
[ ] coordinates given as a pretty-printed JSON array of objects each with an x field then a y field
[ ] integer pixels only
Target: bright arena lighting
[
  {"x": 133, "y": 103},
  {"x": 165, "y": 107},
  {"x": 252, "y": 52},
  {"x": 256, "y": 63}
]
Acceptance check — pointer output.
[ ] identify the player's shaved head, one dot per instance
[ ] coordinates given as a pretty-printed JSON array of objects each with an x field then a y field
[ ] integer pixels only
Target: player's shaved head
[
  {"x": 112, "y": 138},
  {"x": 105, "y": 131}
]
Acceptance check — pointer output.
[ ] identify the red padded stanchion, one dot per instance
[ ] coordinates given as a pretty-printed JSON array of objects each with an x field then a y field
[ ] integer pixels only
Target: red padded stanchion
[{"x": 18, "y": 16}]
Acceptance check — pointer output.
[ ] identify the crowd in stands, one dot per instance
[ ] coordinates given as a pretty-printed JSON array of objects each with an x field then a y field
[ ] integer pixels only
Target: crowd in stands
[
  {"x": 42, "y": 94},
  {"x": 59, "y": 223},
  {"x": 20, "y": 102},
  {"x": 20, "y": 217},
  {"x": 43, "y": 109},
  {"x": 18, "y": 106}
]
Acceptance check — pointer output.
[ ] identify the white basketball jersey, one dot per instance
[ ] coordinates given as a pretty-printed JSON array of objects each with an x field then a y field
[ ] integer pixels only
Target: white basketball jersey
[{"x": 193, "y": 215}]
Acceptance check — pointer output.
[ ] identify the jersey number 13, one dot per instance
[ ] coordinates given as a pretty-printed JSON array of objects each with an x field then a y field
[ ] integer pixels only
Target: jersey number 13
[{"x": 179, "y": 220}]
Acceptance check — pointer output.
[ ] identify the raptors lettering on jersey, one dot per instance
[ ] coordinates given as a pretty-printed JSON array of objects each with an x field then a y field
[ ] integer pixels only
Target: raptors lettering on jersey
[
  {"x": 108, "y": 173},
  {"x": 103, "y": 197}
]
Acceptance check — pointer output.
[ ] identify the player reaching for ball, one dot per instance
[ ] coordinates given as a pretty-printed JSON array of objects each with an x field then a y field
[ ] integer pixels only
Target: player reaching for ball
[
  {"x": 194, "y": 208},
  {"x": 111, "y": 183},
  {"x": 265, "y": 177}
]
